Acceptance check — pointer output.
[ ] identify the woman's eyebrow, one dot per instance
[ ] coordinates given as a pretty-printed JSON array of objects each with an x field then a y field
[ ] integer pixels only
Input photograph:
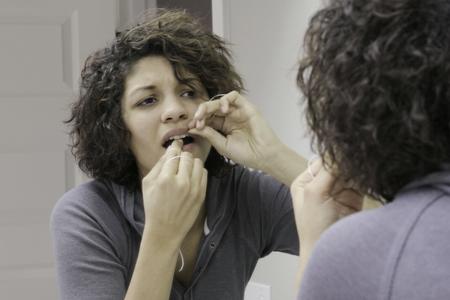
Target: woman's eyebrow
[{"x": 142, "y": 88}]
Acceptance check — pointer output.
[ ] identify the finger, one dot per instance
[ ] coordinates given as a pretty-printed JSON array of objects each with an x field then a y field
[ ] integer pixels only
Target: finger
[
  {"x": 200, "y": 124},
  {"x": 219, "y": 107},
  {"x": 350, "y": 199},
  {"x": 230, "y": 102},
  {"x": 185, "y": 166},
  {"x": 215, "y": 138},
  {"x": 191, "y": 124},
  {"x": 224, "y": 106},
  {"x": 216, "y": 123},
  {"x": 314, "y": 165},
  {"x": 306, "y": 176},
  {"x": 199, "y": 183},
  {"x": 297, "y": 192},
  {"x": 234, "y": 99},
  {"x": 203, "y": 185},
  {"x": 197, "y": 170},
  {"x": 172, "y": 158},
  {"x": 207, "y": 109},
  {"x": 299, "y": 183},
  {"x": 156, "y": 170},
  {"x": 322, "y": 185},
  {"x": 196, "y": 177},
  {"x": 172, "y": 150}
]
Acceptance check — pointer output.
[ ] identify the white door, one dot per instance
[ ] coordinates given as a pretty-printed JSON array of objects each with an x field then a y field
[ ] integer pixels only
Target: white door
[{"x": 42, "y": 46}]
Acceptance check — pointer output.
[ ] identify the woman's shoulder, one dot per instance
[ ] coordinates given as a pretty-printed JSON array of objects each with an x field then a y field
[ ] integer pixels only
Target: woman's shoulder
[
  {"x": 377, "y": 230},
  {"x": 350, "y": 257},
  {"x": 399, "y": 218},
  {"x": 379, "y": 249},
  {"x": 85, "y": 222},
  {"x": 90, "y": 202},
  {"x": 87, "y": 195}
]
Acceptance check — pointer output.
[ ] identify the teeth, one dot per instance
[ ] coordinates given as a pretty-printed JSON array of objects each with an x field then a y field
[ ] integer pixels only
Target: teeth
[{"x": 178, "y": 137}]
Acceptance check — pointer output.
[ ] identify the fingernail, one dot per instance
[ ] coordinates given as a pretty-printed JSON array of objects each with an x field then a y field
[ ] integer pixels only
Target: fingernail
[{"x": 176, "y": 143}]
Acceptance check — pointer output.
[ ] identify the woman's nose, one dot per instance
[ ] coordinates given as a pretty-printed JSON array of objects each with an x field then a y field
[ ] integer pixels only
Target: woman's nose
[{"x": 174, "y": 111}]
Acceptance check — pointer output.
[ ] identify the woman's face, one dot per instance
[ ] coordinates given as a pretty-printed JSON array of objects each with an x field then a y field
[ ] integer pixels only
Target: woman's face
[{"x": 156, "y": 108}]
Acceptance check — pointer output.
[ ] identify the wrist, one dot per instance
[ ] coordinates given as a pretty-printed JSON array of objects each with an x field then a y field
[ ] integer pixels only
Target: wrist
[
  {"x": 164, "y": 237},
  {"x": 269, "y": 155},
  {"x": 283, "y": 163},
  {"x": 304, "y": 255}
]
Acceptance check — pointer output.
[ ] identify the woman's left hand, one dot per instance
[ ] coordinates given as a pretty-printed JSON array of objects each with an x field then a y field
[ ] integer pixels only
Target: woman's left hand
[
  {"x": 319, "y": 200},
  {"x": 236, "y": 130}
]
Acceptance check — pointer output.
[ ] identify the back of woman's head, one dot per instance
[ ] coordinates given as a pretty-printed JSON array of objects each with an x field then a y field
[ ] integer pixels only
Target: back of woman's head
[
  {"x": 100, "y": 138},
  {"x": 376, "y": 76}
]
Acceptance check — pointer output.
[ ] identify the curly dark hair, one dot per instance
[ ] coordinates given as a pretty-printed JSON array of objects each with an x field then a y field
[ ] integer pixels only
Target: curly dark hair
[
  {"x": 376, "y": 77},
  {"x": 100, "y": 139}
]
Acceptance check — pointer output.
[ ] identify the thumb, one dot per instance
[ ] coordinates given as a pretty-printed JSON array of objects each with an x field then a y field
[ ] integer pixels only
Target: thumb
[
  {"x": 297, "y": 189},
  {"x": 217, "y": 140},
  {"x": 306, "y": 177}
]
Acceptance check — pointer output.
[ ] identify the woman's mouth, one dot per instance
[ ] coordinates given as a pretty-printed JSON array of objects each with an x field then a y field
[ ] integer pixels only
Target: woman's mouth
[{"x": 186, "y": 139}]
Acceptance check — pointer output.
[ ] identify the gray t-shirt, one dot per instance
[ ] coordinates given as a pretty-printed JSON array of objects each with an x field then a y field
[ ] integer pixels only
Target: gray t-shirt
[
  {"x": 97, "y": 228},
  {"x": 399, "y": 251}
]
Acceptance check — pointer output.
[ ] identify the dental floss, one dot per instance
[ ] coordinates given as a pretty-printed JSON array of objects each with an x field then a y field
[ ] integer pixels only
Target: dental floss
[
  {"x": 206, "y": 232},
  {"x": 182, "y": 261},
  {"x": 216, "y": 97},
  {"x": 178, "y": 156}
]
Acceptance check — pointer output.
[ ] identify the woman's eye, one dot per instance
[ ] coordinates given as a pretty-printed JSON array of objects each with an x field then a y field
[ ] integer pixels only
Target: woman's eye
[
  {"x": 148, "y": 101},
  {"x": 189, "y": 94}
]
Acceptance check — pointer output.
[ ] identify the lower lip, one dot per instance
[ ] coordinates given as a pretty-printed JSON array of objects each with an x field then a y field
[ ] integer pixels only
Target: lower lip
[{"x": 188, "y": 147}]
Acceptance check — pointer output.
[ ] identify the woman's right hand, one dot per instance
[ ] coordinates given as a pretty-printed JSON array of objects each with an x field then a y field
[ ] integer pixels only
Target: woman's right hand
[
  {"x": 173, "y": 192},
  {"x": 236, "y": 129}
]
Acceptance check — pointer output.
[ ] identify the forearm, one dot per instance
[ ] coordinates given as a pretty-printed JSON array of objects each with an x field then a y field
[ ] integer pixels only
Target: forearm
[
  {"x": 154, "y": 270},
  {"x": 283, "y": 163},
  {"x": 305, "y": 254}
]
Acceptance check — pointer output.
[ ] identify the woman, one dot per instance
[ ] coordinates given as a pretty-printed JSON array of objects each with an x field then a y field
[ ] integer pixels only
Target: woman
[
  {"x": 166, "y": 215},
  {"x": 376, "y": 77}
]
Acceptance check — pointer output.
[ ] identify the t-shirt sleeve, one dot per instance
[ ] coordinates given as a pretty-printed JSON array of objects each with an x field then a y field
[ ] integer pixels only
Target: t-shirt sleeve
[
  {"x": 86, "y": 235},
  {"x": 322, "y": 277},
  {"x": 270, "y": 204}
]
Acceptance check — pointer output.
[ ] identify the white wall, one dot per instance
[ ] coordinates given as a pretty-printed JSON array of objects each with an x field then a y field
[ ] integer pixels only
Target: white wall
[{"x": 267, "y": 37}]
